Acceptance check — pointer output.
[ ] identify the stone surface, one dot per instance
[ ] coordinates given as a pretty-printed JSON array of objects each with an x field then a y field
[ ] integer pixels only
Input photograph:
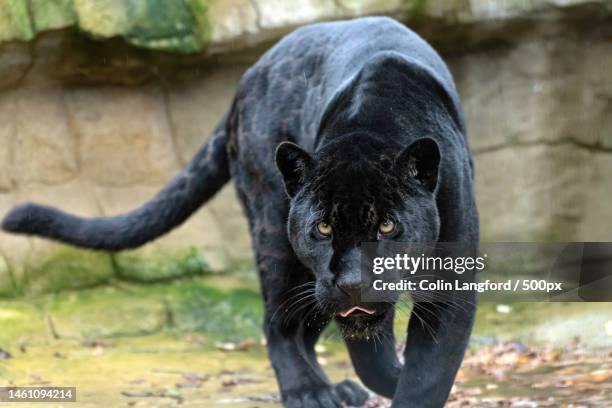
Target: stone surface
[
  {"x": 7, "y": 137},
  {"x": 536, "y": 91},
  {"x": 275, "y": 14},
  {"x": 197, "y": 102},
  {"x": 597, "y": 211},
  {"x": 16, "y": 61},
  {"x": 45, "y": 150},
  {"x": 537, "y": 117},
  {"x": 232, "y": 19},
  {"x": 605, "y": 133},
  {"x": 533, "y": 193},
  {"x": 105, "y": 119},
  {"x": 191, "y": 26}
]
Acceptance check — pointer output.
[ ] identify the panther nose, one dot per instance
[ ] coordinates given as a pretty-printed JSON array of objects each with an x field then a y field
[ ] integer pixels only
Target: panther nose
[
  {"x": 349, "y": 279},
  {"x": 351, "y": 288}
]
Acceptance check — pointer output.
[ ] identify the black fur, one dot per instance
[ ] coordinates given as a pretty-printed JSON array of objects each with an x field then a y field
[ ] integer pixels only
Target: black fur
[{"x": 377, "y": 134}]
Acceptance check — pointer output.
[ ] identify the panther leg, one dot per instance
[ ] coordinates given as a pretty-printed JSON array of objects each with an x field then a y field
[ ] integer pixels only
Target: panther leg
[
  {"x": 349, "y": 391},
  {"x": 436, "y": 342},
  {"x": 302, "y": 382},
  {"x": 375, "y": 360}
]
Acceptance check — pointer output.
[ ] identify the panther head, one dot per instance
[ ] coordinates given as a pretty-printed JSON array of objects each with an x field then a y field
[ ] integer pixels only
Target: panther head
[{"x": 358, "y": 188}]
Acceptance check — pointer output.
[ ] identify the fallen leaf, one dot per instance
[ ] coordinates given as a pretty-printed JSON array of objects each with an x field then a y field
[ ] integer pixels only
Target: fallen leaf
[
  {"x": 229, "y": 346},
  {"x": 95, "y": 343},
  {"x": 599, "y": 376},
  {"x": 225, "y": 346},
  {"x": 190, "y": 385},
  {"x": 239, "y": 381},
  {"x": 194, "y": 377},
  {"x": 139, "y": 394},
  {"x": 523, "y": 403}
]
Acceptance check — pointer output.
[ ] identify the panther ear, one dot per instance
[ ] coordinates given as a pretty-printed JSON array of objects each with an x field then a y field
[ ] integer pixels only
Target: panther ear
[
  {"x": 420, "y": 162},
  {"x": 293, "y": 162}
]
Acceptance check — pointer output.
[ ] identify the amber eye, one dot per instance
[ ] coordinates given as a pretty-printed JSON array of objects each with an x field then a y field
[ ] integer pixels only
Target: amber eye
[
  {"x": 386, "y": 227},
  {"x": 324, "y": 228}
]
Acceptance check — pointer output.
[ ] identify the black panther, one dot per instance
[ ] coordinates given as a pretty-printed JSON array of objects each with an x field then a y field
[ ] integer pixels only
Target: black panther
[{"x": 342, "y": 133}]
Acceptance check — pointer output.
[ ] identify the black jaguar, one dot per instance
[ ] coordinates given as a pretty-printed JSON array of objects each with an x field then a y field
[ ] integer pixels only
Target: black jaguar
[{"x": 342, "y": 133}]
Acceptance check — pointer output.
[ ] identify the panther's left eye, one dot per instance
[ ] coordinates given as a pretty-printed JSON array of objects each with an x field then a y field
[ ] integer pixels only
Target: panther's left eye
[
  {"x": 324, "y": 229},
  {"x": 386, "y": 227}
]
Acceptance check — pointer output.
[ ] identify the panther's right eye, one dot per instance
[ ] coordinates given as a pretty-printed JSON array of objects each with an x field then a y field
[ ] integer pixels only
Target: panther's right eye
[
  {"x": 386, "y": 227},
  {"x": 324, "y": 229}
]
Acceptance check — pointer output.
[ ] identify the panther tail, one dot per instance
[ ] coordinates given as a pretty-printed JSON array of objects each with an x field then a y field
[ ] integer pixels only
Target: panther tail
[{"x": 207, "y": 172}]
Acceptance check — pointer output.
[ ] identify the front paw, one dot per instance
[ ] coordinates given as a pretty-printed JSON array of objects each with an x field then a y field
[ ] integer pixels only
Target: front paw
[
  {"x": 324, "y": 396},
  {"x": 343, "y": 394},
  {"x": 351, "y": 393}
]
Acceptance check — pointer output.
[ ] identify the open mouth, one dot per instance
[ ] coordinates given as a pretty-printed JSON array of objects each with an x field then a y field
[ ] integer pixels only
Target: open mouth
[{"x": 356, "y": 309}]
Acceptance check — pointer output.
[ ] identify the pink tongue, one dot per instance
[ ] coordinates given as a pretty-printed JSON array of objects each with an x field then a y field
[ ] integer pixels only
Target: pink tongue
[{"x": 346, "y": 313}]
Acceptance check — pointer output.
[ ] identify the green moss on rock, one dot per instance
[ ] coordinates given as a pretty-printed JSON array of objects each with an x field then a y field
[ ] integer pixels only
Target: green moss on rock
[
  {"x": 148, "y": 266},
  {"x": 134, "y": 310},
  {"x": 229, "y": 315},
  {"x": 104, "y": 313},
  {"x": 52, "y": 14},
  {"x": 103, "y": 18},
  {"x": 179, "y": 26},
  {"x": 66, "y": 269},
  {"x": 224, "y": 307},
  {"x": 163, "y": 25},
  {"x": 154, "y": 24},
  {"x": 15, "y": 21},
  {"x": 200, "y": 11}
]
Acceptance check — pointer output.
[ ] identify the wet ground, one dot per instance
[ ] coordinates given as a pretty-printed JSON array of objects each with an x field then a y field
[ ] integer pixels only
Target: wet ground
[{"x": 197, "y": 344}]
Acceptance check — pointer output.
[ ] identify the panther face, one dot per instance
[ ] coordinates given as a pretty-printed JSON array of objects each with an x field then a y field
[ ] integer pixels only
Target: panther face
[{"x": 341, "y": 199}]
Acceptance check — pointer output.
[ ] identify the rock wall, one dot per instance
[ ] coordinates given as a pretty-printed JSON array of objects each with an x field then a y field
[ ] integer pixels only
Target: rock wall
[{"x": 102, "y": 102}]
